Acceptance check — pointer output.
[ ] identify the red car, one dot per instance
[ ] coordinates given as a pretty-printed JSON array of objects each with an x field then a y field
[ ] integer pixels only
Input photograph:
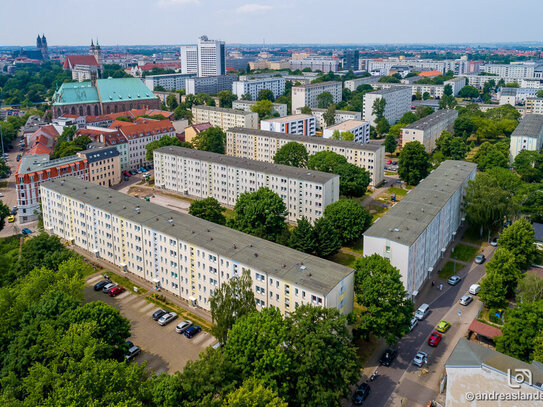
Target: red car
[
  {"x": 127, "y": 174},
  {"x": 116, "y": 291},
  {"x": 434, "y": 339}
]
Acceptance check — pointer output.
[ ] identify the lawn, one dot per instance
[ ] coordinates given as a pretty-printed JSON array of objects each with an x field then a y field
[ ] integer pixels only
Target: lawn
[
  {"x": 343, "y": 258},
  {"x": 129, "y": 285},
  {"x": 449, "y": 269},
  {"x": 464, "y": 252},
  {"x": 397, "y": 191},
  {"x": 357, "y": 247}
]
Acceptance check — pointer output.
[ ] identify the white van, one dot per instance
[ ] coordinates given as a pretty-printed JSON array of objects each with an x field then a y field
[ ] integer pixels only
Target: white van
[
  {"x": 474, "y": 289},
  {"x": 422, "y": 312}
]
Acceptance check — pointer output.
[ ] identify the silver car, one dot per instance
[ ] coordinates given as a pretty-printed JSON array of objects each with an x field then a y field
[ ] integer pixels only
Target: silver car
[
  {"x": 466, "y": 300},
  {"x": 167, "y": 318},
  {"x": 413, "y": 324},
  {"x": 420, "y": 358},
  {"x": 183, "y": 326}
]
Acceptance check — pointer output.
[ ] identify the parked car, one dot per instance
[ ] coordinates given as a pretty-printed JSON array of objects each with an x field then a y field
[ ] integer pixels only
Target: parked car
[
  {"x": 454, "y": 280},
  {"x": 167, "y": 318},
  {"x": 443, "y": 326},
  {"x": 133, "y": 351},
  {"x": 115, "y": 291},
  {"x": 183, "y": 326},
  {"x": 13, "y": 212},
  {"x": 108, "y": 287},
  {"x": 11, "y": 219},
  {"x": 480, "y": 259},
  {"x": 18, "y": 157},
  {"x": 158, "y": 314},
  {"x": 474, "y": 289},
  {"x": 494, "y": 241},
  {"x": 389, "y": 161},
  {"x": 192, "y": 331},
  {"x": 126, "y": 178},
  {"x": 217, "y": 345},
  {"x": 466, "y": 300},
  {"x": 361, "y": 393},
  {"x": 414, "y": 322},
  {"x": 422, "y": 312},
  {"x": 143, "y": 169},
  {"x": 151, "y": 166},
  {"x": 101, "y": 284},
  {"x": 26, "y": 231},
  {"x": 388, "y": 356},
  {"x": 434, "y": 339},
  {"x": 420, "y": 358}
]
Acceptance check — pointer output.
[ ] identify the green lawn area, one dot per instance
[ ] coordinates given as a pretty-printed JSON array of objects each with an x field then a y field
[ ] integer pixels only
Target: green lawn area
[
  {"x": 343, "y": 258},
  {"x": 464, "y": 252},
  {"x": 3, "y": 184},
  {"x": 390, "y": 172},
  {"x": 357, "y": 247},
  {"x": 449, "y": 269},
  {"x": 228, "y": 213},
  {"x": 397, "y": 191},
  {"x": 129, "y": 285}
]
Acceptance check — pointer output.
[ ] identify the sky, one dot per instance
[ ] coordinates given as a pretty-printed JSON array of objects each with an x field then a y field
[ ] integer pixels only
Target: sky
[{"x": 148, "y": 22}]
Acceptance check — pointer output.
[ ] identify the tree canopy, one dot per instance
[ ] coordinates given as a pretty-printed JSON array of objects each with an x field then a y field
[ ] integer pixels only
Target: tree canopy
[
  {"x": 163, "y": 142},
  {"x": 209, "y": 209},
  {"x": 324, "y": 100},
  {"x": 519, "y": 239},
  {"x": 349, "y": 218},
  {"x": 226, "y": 97},
  {"x": 414, "y": 163},
  {"x": 293, "y": 154},
  {"x": 212, "y": 139}
]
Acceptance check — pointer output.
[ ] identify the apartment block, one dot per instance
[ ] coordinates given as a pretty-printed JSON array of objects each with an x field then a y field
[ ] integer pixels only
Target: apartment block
[
  {"x": 248, "y": 86},
  {"x": 306, "y": 95},
  {"x": 315, "y": 63},
  {"x": 224, "y": 118},
  {"x": 527, "y": 136},
  {"x": 262, "y": 145},
  {"x": 203, "y": 174},
  {"x": 207, "y": 58},
  {"x": 104, "y": 165},
  {"x": 209, "y": 84},
  {"x": 303, "y": 124},
  {"x": 353, "y": 84},
  {"x": 515, "y": 70},
  {"x": 428, "y": 129},
  {"x": 398, "y": 102},
  {"x": 534, "y": 105},
  {"x": 360, "y": 130},
  {"x": 173, "y": 81},
  {"x": 187, "y": 256},
  {"x": 416, "y": 231},
  {"x": 246, "y": 105},
  {"x": 339, "y": 117}
]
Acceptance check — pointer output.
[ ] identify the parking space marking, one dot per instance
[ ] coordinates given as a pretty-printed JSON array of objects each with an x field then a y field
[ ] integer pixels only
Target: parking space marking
[
  {"x": 129, "y": 298},
  {"x": 147, "y": 307},
  {"x": 93, "y": 279},
  {"x": 209, "y": 342},
  {"x": 140, "y": 304},
  {"x": 199, "y": 338},
  {"x": 125, "y": 294}
]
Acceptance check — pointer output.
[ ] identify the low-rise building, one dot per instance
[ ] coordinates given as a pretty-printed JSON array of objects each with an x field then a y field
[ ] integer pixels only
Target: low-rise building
[
  {"x": 209, "y": 84},
  {"x": 193, "y": 130},
  {"x": 171, "y": 81},
  {"x": 306, "y": 95},
  {"x": 428, "y": 129},
  {"x": 527, "y": 136},
  {"x": 250, "y": 86},
  {"x": 104, "y": 165},
  {"x": 246, "y": 105},
  {"x": 339, "y": 116},
  {"x": 224, "y": 118},
  {"x": 262, "y": 145},
  {"x": 398, "y": 102},
  {"x": 416, "y": 231},
  {"x": 187, "y": 256},
  {"x": 360, "y": 130},
  {"x": 534, "y": 105},
  {"x": 303, "y": 124},
  {"x": 272, "y": 65},
  {"x": 204, "y": 174}
]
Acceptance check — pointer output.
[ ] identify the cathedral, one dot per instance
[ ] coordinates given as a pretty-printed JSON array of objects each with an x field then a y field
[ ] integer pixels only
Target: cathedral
[{"x": 41, "y": 44}]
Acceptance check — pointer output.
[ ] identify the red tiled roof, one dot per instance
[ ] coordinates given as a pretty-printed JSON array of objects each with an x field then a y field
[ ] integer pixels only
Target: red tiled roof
[
  {"x": 101, "y": 118},
  {"x": 430, "y": 73},
  {"x": 201, "y": 126},
  {"x": 49, "y": 130},
  {"x": 143, "y": 126},
  {"x": 485, "y": 330},
  {"x": 73, "y": 60}
]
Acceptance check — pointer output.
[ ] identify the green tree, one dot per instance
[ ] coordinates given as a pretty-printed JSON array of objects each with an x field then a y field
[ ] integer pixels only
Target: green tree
[
  {"x": 378, "y": 108},
  {"x": 539, "y": 93},
  {"x": 425, "y": 96},
  {"x": 395, "y": 130},
  {"x": 226, "y": 97},
  {"x": 254, "y": 394},
  {"x": 382, "y": 126},
  {"x": 529, "y": 165},
  {"x": 209, "y": 209},
  {"x": 171, "y": 101},
  {"x": 163, "y": 142},
  {"x": 452, "y": 147},
  {"x": 265, "y": 94},
  {"x": 519, "y": 239},
  {"x": 530, "y": 201},
  {"x": 4, "y": 213},
  {"x": 468, "y": 92},
  {"x": 447, "y": 101},
  {"x": 293, "y": 154},
  {"x": 408, "y": 118},
  {"x": 181, "y": 112},
  {"x": 345, "y": 135},
  {"x": 324, "y": 100},
  {"x": 530, "y": 288},
  {"x": 423, "y": 111},
  {"x": 260, "y": 213},
  {"x": 390, "y": 144},
  {"x": 233, "y": 300},
  {"x": 464, "y": 126},
  {"x": 330, "y": 115},
  {"x": 353, "y": 180},
  {"x": 504, "y": 263},
  {"x": 349, "y": 218},
  {"x": 327, "y": 239},
  {"x": 306, "y": 110},
  {"x": 212, "y": 139},
  {"x": 447, "y": 90},
  {"x": 264, "y": 108},
  {"x": 325, "y": 161},
  {"x": 303, "y": 236},
  {"x": 386, "y": 310},
  {"x": 489, "y": 156},
  {"x": 493, "y": 291},
  {"x": 414, "y": 163}
]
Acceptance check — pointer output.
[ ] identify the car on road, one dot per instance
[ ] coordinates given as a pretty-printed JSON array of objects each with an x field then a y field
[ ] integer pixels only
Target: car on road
[
  {"x": 158, "y": 314},
  {"x": 494, "y": 241},
  {"x": 443, "y": 326},
  {"x": 454, "y": 280},
  {"x": 133, "y": 351},
  {"x": 192, "y": 331},
  {"x": 183, "y": 326},
  {"x": 26, "y": 231},
  {"x": 18, "y": 157},
  {"x": 108, "y": 287},
  {"x": 101, "y": 284},
  {"x": 13, "y": 212},
  {"x": 167, "y": 318},
  {"x": 388, "y": 356},
  {"x": 1, "y": 195},
  {"x": 389, "y": 161},
  {"x": 434, "y": 339},
  {"x": 466, "y": 300},
  {"x": 217, "y": 345},
  {"x": 474, "y": 289},
  {"x": 420, "y": 358},
  {"x": 361, "y": 393},
  {"x": 11, "y": 219},
  {"x": 115, "y": 291},
  {"x": 480, "y": 259},
  {"x": 413, "y": 324},
  {"x": 422, "y": 312},
  {"x": 143, "y": 169}
]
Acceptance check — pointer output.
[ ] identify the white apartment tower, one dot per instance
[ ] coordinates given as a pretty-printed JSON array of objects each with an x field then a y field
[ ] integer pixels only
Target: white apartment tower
[
  {"x": 306, "y": 95},
  {"x": 207, "y": 58},
  {"x": 398, "y": 102}
]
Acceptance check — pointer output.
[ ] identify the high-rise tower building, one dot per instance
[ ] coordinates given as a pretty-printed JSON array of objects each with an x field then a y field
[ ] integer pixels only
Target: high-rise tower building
[
  {"x": 207, "y": 58},
  {"x": 96, "y": 51}
]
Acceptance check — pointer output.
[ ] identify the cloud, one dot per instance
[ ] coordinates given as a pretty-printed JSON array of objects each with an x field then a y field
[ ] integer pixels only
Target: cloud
[
  {"x": 253, "y": 8},
  {"x": 167, "y": 3}
]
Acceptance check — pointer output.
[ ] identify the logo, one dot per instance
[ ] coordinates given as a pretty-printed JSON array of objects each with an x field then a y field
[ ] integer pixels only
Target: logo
[{"x": 515, "y": 377}]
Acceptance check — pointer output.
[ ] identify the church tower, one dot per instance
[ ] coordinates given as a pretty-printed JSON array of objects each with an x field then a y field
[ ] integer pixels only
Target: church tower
[
  {"x": 43, "y": 48},
  {"x": 96, "y": 51}
]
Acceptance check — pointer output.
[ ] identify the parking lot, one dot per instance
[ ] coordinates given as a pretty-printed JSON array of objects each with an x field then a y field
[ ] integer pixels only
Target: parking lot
[{"x": 162, "y": 348}]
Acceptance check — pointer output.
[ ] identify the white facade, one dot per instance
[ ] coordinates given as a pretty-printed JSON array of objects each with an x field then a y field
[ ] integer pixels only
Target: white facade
[
  {"x": 253, "y": 86},
  {"x": 527, "y": 136},
  {"x": 263, "y": 145},
  {"x": 203, "y": 174},
  {"x": 81, "y": 73},
  {"x": 339, "y": 117},
  {"x": 246, "y": 105},
  {"x": 189, "y": 60},
  {"x": 302, "y": 124},
  {"x": 224, "y": 118},
  {"x": 306, "y": 95},
  {"x": 207, "y": 58},
  {"x": 174, "y": 81},
  {"x": 428, "y": 129},
  {"x": 187, "y": 256},
  {"x": 534, "y": 105},
  {"x": 398, "y": 102},
  {"x": 515, "y": 70},
  {"x": 360, "y": 130},
  {"x": 209, "y": 84},
  {"x": 323, "y": 64}
]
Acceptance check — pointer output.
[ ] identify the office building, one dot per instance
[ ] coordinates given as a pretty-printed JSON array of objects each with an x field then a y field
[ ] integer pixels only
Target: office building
[
  {"x": 428, "y": 129},
  {"x": 187, "y": 256},
  {"x": 339, "y": 117},
  {"x": 302, "y": 124},
  {"x": 351, "y": 60},
  {"x": 315, "y": 63},
  {"x": 360, "y": 130},
  {"x": 398, "y": 102},
  {"x": 246, "y": 86},
  {"x": 224, "y": 118},
  {"x": 263, "y": 145},
  {"x": 534, "y": 105},
  {"x": 203, "y": 174},
  {"x": 527, "y": 136},
  {"x": 172, "y": 81},
  {"x": 207, "y": 58},
  {"x": 306, "y": 95},
  {"x": 414, "y": 233},
  {"x": 210, "y": 84},
  {"x": 246, "y": 105},
  {"x": 272, "y": 65}
]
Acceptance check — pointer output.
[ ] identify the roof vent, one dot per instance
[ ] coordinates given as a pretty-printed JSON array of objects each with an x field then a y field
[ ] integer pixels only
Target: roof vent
[
  {"x": 211, "y": 238},
  {"x": 235, "y": 247},
  {"x": 137, "y": 208},
  {"x": 422, "y": 209},
  {"x": 170, "y": 220},
  {"x": 283, "y": 265},
  {"x": 208, "y": 230},
  {"x": 73, "y": 189},
  {"x": 109, "y": 202},
  {"x": 124, "y": 207},
  {"x": 97, "y": 197},
  {"x": 396, "y": 230},
  {"x": 256, "y": 254},
  {"x": 302, "y": 267}
]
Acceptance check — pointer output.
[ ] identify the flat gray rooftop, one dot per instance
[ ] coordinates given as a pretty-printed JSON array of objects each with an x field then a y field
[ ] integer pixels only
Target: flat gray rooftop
[
  {"x": 41, "y": 162},
  {"x": 431, "y": 120},
  {"x": 316, "y": 85},
  {"x": 308, "y": 139},
  {"x": 222, "y": 109},
  {"x": 406, "y": 220},
  {"x": 531, "y": 126},
  {"x": 302, "y": 269},
  {"x": 393, "y": 89},
  {"x": 247, "y": 164}
]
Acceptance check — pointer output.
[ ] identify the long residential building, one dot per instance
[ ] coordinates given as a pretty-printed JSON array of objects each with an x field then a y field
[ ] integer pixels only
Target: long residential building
[
  {"x": 428, "y": 129},
  {"x": 398, "y": 102},
  {"x": 209, "y": 84},
  {"x": 359, "y": 129},
  {"x": 249, "y": 86},
  {"x": 246, "y": 105},
  {"x": 339, "y": 116},
  {"x": 416, "y": 231},
  {"x": 303, "y": 124},
  {"x": 527, "y": 136},
  {"x": 353, "y": 84},
  {"x": 203, "y": 174},
  {"x": 515, "y": 70},
  {"x": 534, "y": 105},
  {"x": 262, "y": 145},
  {"x": 306, "y": 95},
  {"x": 224, "y": 118},
  {"x": 172, "y": 81},
  {"x": 187, "y": 256},
  {"x": 315, "y": 63}
]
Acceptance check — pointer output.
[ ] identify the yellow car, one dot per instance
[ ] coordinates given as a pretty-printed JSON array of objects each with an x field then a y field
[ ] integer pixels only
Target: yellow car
[
  {"x": 11, "y": 218},
  {"x": 443, "y": 326}
]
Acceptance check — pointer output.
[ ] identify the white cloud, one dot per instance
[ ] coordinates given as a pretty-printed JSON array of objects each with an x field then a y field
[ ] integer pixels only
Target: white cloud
[
  {"x": 253, "y": 8},
  {"x": 167, "y": 3}
]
